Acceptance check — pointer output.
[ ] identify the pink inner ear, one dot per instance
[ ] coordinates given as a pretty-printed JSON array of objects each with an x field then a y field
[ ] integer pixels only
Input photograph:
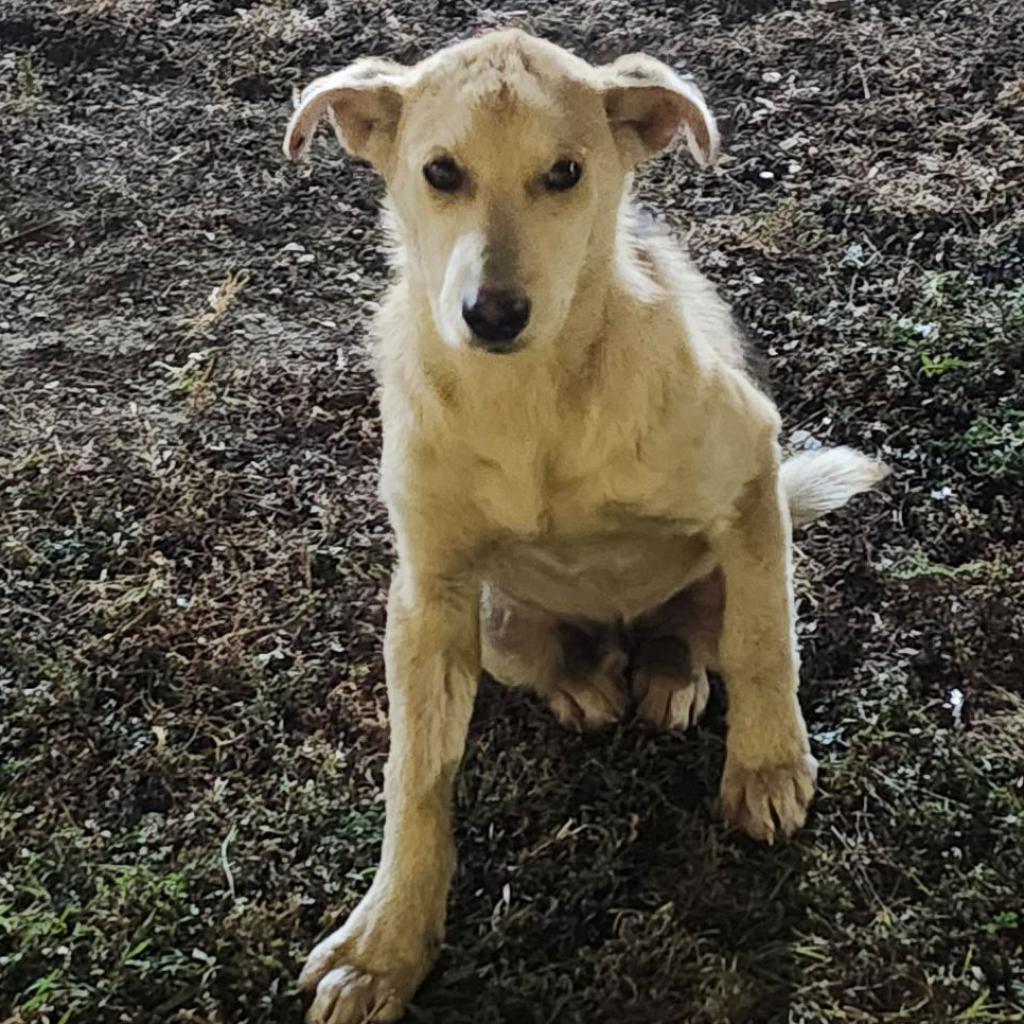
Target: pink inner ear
[{"x": 659, "y": 128}]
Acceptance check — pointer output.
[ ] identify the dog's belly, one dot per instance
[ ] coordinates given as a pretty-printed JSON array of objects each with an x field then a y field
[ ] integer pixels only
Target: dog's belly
[{"x": 604, "y": 577}]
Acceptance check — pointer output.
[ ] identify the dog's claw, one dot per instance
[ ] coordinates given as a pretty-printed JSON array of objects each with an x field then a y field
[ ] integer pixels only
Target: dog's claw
[
  {"x": 768, "y": 802},
  {"x": 670, "y": 702},
  {"x": 346, "y": 995},
  {"x": 357, "y": 975},
  {"x": 594, "y": 703}
]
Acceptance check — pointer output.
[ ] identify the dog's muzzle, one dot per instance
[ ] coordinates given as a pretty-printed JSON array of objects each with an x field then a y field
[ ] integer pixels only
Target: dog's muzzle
[{"x": 497, "y": 318}]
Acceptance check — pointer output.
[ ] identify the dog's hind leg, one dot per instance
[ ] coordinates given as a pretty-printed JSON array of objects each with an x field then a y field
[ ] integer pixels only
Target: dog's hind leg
[
  {"x": 671, "y": 649},
  {"x": 578, "y": 667}
]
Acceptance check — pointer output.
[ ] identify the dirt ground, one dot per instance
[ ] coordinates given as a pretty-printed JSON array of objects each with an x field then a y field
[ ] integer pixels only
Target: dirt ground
[{"x": 193, "y": 560}]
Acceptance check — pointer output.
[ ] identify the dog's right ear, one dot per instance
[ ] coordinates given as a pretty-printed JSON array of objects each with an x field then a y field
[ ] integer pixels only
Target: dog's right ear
[{"x": 363, "y": 102}]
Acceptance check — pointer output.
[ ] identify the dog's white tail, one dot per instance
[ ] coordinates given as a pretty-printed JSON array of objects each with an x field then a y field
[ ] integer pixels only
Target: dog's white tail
[{"x": 823, "y": 480}]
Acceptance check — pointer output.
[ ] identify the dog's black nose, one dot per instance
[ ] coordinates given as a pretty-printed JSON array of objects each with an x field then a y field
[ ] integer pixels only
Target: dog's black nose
[{"x": 497, "y": 318}]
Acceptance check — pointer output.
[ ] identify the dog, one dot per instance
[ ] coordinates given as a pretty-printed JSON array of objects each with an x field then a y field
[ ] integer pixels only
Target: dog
[{"x": 584, "y": 482}]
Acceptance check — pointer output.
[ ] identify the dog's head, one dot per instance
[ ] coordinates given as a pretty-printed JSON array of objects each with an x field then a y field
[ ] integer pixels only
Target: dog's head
[{"x": 505, "y": 160}]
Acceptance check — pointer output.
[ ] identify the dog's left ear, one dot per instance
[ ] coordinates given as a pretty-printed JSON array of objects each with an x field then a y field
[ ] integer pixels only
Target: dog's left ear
[
  {"x": 362, "y": 101},
  {"x": 648, "y": 105}
]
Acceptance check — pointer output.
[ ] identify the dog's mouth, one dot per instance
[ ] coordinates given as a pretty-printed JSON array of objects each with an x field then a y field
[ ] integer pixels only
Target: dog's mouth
[{"x": 498, "y": 346}]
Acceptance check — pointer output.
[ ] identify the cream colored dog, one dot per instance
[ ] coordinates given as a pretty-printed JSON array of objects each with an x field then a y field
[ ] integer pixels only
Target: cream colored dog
[{"x": 583, "y": 480}]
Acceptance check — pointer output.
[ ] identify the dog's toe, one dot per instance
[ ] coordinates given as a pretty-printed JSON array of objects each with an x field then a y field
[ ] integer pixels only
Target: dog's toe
[
  {"x": 769, "y": 802},
  {"x": 668, "y": 701},
  {"x": 595, "y": 702},
  {"x": 368, "y": 969},
  {"x": 346, "y": 995}
]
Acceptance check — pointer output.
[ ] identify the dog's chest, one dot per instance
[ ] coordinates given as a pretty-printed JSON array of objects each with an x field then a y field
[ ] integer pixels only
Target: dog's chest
[
  {"x": 609, "y": 542},
  {"x": 601, "y": 576},
  {"x": 527, "y": 495}
]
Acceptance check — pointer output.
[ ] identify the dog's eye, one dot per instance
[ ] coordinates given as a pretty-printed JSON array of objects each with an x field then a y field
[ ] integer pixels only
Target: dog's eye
[
  {"x": 563, "y": 176},
  {"x": 444, "y": 174}
]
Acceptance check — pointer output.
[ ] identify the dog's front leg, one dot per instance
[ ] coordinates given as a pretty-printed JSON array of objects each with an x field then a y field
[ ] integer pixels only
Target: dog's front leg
[
  {"x": 371, "y": 967},
  {"x": 769, "y": 771}
]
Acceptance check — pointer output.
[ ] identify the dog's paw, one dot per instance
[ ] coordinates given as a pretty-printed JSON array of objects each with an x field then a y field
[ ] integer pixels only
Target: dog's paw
[
  {"x": 359, "y": 974},
  {"x": 770, "y": 801},
  {"x": 593, "y": 702},
  {"x": 670, "y": 701},
  {"x": 346, "y": 995}
]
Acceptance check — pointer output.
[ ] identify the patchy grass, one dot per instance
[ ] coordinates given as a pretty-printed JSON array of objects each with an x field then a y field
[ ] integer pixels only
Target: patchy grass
[
  {"x": 193, "y": 561},
  {"x": 996, "y": 444},
  {"x": 919, "y": 566},
  {"x": 27, "y": 81}
]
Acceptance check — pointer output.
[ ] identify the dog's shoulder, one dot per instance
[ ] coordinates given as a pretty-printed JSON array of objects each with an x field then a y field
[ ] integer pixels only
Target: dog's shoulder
[{"x": 710, "y": 320}]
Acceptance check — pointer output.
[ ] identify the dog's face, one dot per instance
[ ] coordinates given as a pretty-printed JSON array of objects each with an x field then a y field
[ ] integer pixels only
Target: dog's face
[
  {"x": 497, "y": 200},
  {"x": 505, "y": 160}
]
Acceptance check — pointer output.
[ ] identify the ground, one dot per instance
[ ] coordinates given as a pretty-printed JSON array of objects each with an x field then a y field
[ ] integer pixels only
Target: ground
[{"x": 193, "y": 560}]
